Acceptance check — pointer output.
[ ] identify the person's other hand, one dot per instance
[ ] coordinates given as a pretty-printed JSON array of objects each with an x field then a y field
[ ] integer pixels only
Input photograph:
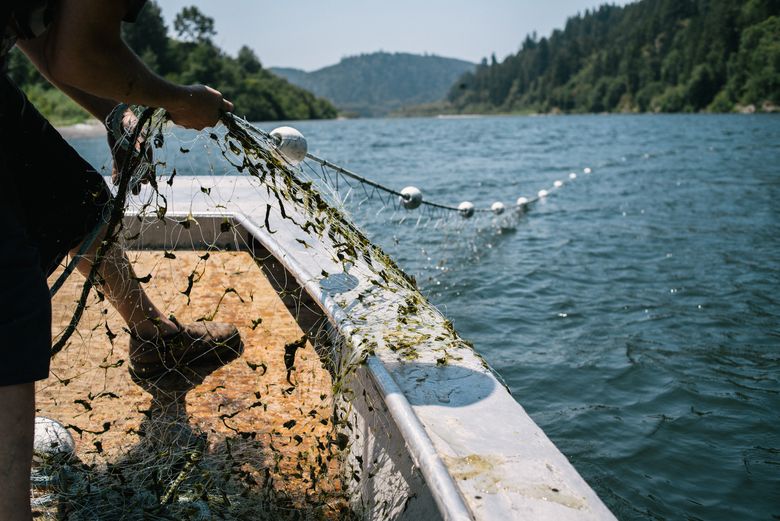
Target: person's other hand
[
  {"x": 199, "y": 107},
  {"x": 140, "y": 156}
]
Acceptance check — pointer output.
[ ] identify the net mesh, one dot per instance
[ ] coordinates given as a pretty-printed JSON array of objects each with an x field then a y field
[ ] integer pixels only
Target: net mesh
[
  {"x": 255, "y": 439},
  {"x": 270, "y": 435}
]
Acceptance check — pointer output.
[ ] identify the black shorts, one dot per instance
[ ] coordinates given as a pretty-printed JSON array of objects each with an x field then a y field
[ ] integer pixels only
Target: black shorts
[{"x": 52, "y": 199}]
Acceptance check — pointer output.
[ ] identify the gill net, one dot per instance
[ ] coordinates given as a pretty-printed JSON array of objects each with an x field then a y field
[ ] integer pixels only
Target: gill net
[{"x": 273, "y": 434}]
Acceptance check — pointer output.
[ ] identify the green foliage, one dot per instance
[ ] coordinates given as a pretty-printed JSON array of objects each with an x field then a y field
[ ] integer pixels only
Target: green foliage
[
  {"x": 755, "y": 69},
  {"x": 379, "y": 83},
  {"x": 257, "y": 94},
  {"x": 56, "y": 106},
  {"x": 652, "y": 55},
  {"x": 149, "y": 35},
  {"x": 193, "y": 26},
  {"x": 248, "y": 60},
  {"x": 23, "y": 72}
]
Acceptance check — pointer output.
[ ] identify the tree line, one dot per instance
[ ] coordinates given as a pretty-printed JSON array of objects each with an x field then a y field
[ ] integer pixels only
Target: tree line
[
  {"x": 190, "y": 57},
  {"x": 649, "y": 56}
]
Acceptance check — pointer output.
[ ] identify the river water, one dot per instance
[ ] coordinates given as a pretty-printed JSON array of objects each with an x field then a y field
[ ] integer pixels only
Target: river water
[{"x": 635, "y": 313}]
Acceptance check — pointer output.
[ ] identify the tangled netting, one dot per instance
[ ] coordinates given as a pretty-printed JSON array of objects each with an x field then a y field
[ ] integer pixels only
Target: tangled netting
[
  {"x": 269, "y": 436},
  {"x": 274, "y": 434}
]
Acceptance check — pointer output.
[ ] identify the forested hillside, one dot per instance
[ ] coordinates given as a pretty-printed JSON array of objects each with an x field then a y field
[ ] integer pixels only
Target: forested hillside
[
  {"x": 191, "y": 57},
  {"x": 379, "y": 83},
  {"x": 649, "y": 56}
]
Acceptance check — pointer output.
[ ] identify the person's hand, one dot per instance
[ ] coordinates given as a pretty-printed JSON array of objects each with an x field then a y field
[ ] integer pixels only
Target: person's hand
[
  {"x": 122, "y": 128},
  {"x": 198, "y": 107}
]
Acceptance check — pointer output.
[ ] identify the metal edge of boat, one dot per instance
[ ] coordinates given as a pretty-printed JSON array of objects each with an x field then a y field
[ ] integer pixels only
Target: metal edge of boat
[{"x": 437, "y": 442}]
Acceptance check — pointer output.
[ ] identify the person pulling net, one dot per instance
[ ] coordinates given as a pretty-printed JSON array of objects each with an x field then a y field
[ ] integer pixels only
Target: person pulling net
[{"x": 55, "y": 199}]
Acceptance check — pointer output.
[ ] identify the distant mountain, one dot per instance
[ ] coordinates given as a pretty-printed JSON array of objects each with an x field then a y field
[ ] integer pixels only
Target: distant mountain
[
  {"x": 294, "y": 76},
  {"x": 372, "y": 85},
  {"x": 647, "y": 56}
]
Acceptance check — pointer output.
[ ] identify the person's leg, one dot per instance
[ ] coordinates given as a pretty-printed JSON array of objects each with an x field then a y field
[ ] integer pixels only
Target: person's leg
[
  {"x": 25, "y": 341},
  {"x": 61, "y": 199},
  {"x": 158, "y": 345},
  {"x": 17, "y": 425},
  {"x": 126, "y": 294}
]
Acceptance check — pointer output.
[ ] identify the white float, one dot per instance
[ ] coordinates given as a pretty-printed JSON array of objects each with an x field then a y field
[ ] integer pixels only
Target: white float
[
  {"x": 587, "y": 170},
  {"x": 411, "y": 198},
  {"x": 558, "y": 184},
  {"x": 291, "y": 144},
  {"x": 543, "y": 193},
  {"x": 52, "y": 439},
  {"x": 498, "y": 208},
  {"x": 572, "y": 176},
  {"x": 466, "y": 209}
]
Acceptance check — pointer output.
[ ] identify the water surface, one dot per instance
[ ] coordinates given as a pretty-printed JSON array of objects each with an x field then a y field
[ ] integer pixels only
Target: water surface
[{"x": 635, "y": 313}]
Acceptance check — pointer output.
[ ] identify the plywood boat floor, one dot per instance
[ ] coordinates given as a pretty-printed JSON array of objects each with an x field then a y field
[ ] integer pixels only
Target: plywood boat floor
[{"x": 261, "y": 432}]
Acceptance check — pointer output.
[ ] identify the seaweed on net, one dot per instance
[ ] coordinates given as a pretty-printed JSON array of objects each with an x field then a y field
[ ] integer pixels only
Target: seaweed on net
[{"x": 268, "y": 436}]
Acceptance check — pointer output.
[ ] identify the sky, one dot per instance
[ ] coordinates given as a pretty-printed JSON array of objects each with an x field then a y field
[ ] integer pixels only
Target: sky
[{"x": 310, "y": 34}]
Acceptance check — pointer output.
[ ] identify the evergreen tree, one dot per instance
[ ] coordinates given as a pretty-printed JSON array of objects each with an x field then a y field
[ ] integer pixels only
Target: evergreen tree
[
  {"x": 652, "y": 55},
  {"x": 193, "y": 26}
]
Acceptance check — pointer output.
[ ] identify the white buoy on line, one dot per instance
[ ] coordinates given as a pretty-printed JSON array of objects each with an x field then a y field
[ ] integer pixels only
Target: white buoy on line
[
  {"x": 411, "y": 198},
  {"x": 291, "y": 144},
  {"x": 293, "y": 147},
  {"x": 466, "y": 209}
]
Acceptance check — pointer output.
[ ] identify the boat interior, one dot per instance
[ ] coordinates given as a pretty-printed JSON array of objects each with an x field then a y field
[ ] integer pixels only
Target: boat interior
[{"x": 256, "y": 436}]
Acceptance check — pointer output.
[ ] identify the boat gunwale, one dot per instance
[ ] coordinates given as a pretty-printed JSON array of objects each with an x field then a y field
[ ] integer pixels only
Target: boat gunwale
[{"x": 443, "y": 488}]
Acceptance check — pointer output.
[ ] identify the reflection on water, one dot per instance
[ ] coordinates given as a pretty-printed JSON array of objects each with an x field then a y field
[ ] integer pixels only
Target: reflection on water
[{"x": 634, "y": 313}]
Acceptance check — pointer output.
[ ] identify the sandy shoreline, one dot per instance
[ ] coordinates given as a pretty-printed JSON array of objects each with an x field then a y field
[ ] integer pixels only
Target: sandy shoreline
[{"x": 90, "y": 128}]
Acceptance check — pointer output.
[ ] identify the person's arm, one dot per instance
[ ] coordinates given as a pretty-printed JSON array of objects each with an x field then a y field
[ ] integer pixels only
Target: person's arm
[
  {"x": 84, "y": 50},
  {"x": 98, "y": 107}
]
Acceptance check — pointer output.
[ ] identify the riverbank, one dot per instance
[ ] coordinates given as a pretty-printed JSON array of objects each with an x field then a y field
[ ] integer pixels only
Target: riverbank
[
  {"x": 447, "y": 109},
  {"x": 90, "y": 128}
]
